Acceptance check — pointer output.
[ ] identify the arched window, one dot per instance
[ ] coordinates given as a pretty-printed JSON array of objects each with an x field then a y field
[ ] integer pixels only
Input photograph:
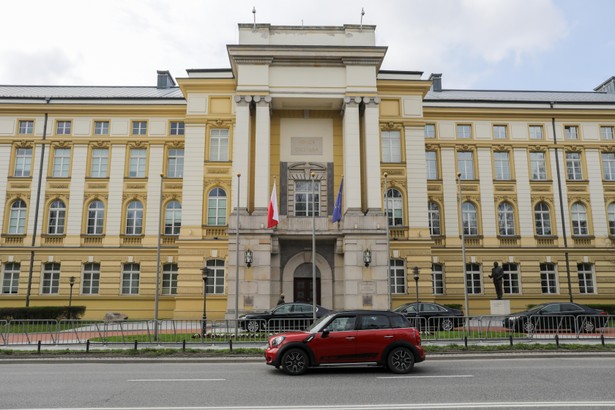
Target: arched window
[
  {"x": 434, "y": 219},
  {"x": 579, "y": 219},
  {"x": 17, "y": 218},
  {"x": 469, "y": 216},
  {"x": 96, "y": 217},
  {"x": 57, "y": 216},
  {"x": 134, "y": 218},
  {"x": 216, "y": 207},
  {"x": 506, "y": 219},
  {"x": 542, "y": 219},
  {"x": 172, "y": 218},
  {"x": 612, "y": 219},
  {"x": 394, "y": 206}
]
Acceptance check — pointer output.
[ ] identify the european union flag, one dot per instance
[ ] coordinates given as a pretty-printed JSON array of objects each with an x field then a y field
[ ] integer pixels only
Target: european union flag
[{"x": 337, "y": 209}]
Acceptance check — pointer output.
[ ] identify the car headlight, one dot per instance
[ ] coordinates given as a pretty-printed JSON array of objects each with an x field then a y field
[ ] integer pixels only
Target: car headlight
[
  {"x": 513, "y": 317},
  {"x": 276, "y": 341}
]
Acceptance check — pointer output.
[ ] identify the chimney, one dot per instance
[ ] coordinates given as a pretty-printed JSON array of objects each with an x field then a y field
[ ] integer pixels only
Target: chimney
[
  {"x": 436, "y": 82},
  {"x": 165, "y": 80},
  {"x": 606, "y": 87}
]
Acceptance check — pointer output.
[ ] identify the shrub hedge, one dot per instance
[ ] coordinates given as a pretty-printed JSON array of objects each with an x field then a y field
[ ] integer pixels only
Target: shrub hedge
[{"x": 42, "y": 312}]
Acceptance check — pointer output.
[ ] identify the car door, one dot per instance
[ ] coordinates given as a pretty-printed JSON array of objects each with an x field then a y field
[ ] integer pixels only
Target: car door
[
  {"x": 337, "y": 342},
  {"x": 373, "y": 335}
]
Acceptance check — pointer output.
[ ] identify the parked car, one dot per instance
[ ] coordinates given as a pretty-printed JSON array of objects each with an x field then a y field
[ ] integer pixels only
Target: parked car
[
  {"x": 349, "y": 337},
  {"x": 432, "y": 315},
  {"x": 288, "y": 316},
  {"x": 557, "y": 316}
]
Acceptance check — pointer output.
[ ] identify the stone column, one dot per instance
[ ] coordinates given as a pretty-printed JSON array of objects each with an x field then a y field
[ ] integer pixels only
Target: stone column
[
  {"x": 241, "y": 150},
  {"x": 262, "y": 162},
  {"x": 352, "y": 156},
  {"x": 416, "y": 165},
  {"x": 372, "y": 154}
]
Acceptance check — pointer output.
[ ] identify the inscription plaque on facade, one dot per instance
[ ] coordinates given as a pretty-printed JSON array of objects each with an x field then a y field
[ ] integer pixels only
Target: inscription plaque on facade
[{"x": 306, "y": 146}]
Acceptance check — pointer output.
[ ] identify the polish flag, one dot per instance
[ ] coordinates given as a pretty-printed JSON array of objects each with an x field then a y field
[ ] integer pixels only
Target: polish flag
[{"x": 272, "y": 213}]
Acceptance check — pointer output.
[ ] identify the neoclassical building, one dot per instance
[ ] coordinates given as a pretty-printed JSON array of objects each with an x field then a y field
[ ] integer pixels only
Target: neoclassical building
[{"x": 106, "y": 189}]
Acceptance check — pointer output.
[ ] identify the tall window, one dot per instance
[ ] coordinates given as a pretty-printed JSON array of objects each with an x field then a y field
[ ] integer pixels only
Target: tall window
[
  {"x": 432, "y": 164},
  {"x": 506, "y": 219},
  {"x": 398, "y": 276},
  {"x": 61, "y": 161},
  {"x": 499, "y": 132},
  {"x": 139, "y": 127},
  {"x": 216, "y": 207},
  {"x": 91, "y": 278},
  {"x": 100, "y": 163},
  {"x": 57, "y": 216},
  {"x": 96, "y": 218},
  {"x": 465, "y": 164},
  {"x": 63, "y": 127},
  {"x": 391, "y": 146},
  {"x": 130, "y": 279},
  {"x": 395, "y": 207},
  {"x": 437, "y": 278},
  {"x": 17, "y": 218},
  {"x": 608, "y": 166},
  {"x": 218, "y": 144},
  {"x": 10, "y": 278},
  {"x": 542, "y": 219},
  {"x": 172, "y": 218},
  {"x": 606, "y": 133},
  {"x": 473, "y": 279},
  {"x": 101, "y": 127},
  {"x": 51, "y": 279},
  {"x": 548, "y": 278},
  {"x": 307, "y": 198},
  {"x": 586, "y": 277},
  {"x": 538, "y": 166},
  {"x": 175, "y": 163},
  {"x": 511, "y": 278},
  {"x": 138, "y": 158},
  {"x": 23, "y": 162},
  {"x": 573, "y": 166},
  {"x": 169, "y": 279},
  {"x": 611, "y": 217},
  {"x": 177, "y": 128},
  {"x": 434, "y": 218},
  {"x": 430, "y": 131},
  {"x": 464, "y": 131},
  {"x": 215, "y": 278},
  {"x": 579, "y": 219},
  {"x": 26, "y": 127},
  {"x": 469, "y": 217},
  {"x": 134, "y": 218},
  {"x": 536, "y": 132},
  {"x": 501, "y": 163},
  {"x": 571, "y": 132}
]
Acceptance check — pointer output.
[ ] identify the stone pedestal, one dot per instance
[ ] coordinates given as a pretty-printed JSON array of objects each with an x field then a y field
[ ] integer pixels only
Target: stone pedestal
[{"x": 500, "y": 307}]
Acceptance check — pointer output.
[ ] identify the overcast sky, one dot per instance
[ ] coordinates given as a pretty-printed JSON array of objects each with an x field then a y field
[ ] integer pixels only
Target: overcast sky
[{"x": 477, "y": 44}]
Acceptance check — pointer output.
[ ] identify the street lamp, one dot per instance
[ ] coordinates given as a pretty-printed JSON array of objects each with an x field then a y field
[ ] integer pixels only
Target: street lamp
[
  {"x": 415, "y": 275},
  {"x": 367, "y": 257},
  {"x": 204, "y": 271},
  {"x": 71, "y": 282},
  {"x": 248, "y": 257}
]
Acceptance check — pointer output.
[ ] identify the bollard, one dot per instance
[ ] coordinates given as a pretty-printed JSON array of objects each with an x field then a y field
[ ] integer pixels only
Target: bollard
[
  {"x": 465, "y": 341},
  {"x": 230, "y": 345},
  {"x": 87, "y": 346},
  {"x": 557, "y": 341},
  {"x": 602, "y": 339},
  {"x": 184, "y": 345},
  {"x": 38, "y": 350},
  {"x": 136, "y": 345},
  {"x": 511, "y": 340}
]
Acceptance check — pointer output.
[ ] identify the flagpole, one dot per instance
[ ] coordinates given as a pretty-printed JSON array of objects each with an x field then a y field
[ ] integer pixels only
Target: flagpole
[
  {"x": 237, "y": 261},
  {"x": 313, "y": 175}
]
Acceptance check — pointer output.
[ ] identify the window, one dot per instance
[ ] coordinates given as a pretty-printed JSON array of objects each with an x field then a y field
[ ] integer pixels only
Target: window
[
  {"x": 175, "y": 163},
  {"x": 61, "y": 162},
  {"x": 499, "y": 132},
  {"x": 506, "y": 219},
  {"x": 91, "y": 279},
  {"x": 391, "y": 146},
  {"x": 437, "y": 278},
  {"x": 218, "y": 144},
  {"x": 606, "y": 133},
  {"x": 307, "y": 198},
  {"x": 611, "y": 218},
  {"x": 216, "y": 207},
  {"x": 464, "y": 131},
  {"x": 536, "y": 132},
  {"x": 100, "y": 163},
  {"x": 57, "y": 216},
  {"x": 101, "y": 127},
  {"x": 17, "y": 218},
  {"x": 215, "y": 277},
  {"x": 473, "y": 279},
  {"x": 23, "y": 162},
  {"x": 394, "y": 207},
  {"x": 139, "y": 127},
  {"x": 573, "y": 166},
  {"x": 51, "y": 279},
  {"x": 434, "y": 219},
  {"x": 138, "y": 158},
  {"x": 502, "y": 166},
  {"x": 608, "y": 166},
  {"x": 586, "y": 278},
  {"x": 177, "y": 128},
  {"x": 169, "y": 279},
  {"x": 26, "y": 127},
  {"x": 511, "y": 278},
  {"x": 542, "y": 219},
  {"x": 96, "y": 217},
  {"x": 538, "y": 165},
  {"x": 579, "y": 219},
  {"x": 134, "y": 218},
  {"x": 398, "y": 276},
  {"x": 10, "y": 278},
  {"x": 548, "y": 278},
  {"x": 571, "y": 132},
  {"x": 432, "y": 164},
  {"x": 172, "y": 218},
  {"x": 130, "y": 279},
  {"x": 469, "y": 217},
  {"x": 63, "y": 127},
  {"x": 430, "y": 131},
  {"x": 465, "y": 164}
]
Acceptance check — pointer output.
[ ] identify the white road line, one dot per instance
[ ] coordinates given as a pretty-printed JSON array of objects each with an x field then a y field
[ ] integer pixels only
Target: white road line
[
  {"x": 177, "y": 380},
  {"x": 425, "y": 377}
]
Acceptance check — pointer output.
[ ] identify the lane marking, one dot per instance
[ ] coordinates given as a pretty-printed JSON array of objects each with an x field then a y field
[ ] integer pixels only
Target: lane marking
[
  {"x": 425, "y": 377},
  {"x": 177, "y": 380}
]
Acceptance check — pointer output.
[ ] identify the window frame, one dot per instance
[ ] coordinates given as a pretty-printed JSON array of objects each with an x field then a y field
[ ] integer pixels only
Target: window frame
[
  {"x": 429, "y": 134},
  {"x": 18, "y": 214},
  {"x": 434, "y": 218},
  {"x": 101, "y": 127},
  {"x": 56, "y": 218},
  {"x": 586, "y": 277},
  {"x": 460, "y": 131},
  {"x": 533, "y": 135},
  {"x": 465, "y": 166},
  {"x": 138, "y": 127},
  {"x": 544, "y": 220},
  {"x": 470, "y": 226},
  {"x": 177, "y": 128},
  {"x": 25, "y": 127},
  {"x": 23, "y": 162},
  {"x": 500, "y": 131},
  {"x": 135, "y": 214},
  {"x": 397, "y": 276},
  {"x": 131, "y": 278},
  {"x": 64, "y": 127},
  {"x": 548, "y": 278},
  {"x": 219, "y": 143},
  {"x": 511, "y": 284},
  {"x": 473, "y": 279},
  {"x": 306, "y": 197},
  {"x": 10, "y": 278},
  {"x": 394, "y": 207},
  {"x": 611, "y": 218},
  {"x": 506, "y": 219},
  {"x": 98, "y": 163},
  {"x": 137, "y": 163},
  {"x": 608, "y": 165},
  {"x": 391, "y": 146},
  {"x": 538, "y": 166},
  {"x": 172, "y": 218},
  {"x": 61, "y": 162},
  {"x": 574, "y": 166},
  {"x": 571, "y": 133},
  {"x": 217, "y": 206},
  {"x": 579, "y": 220},
  {"x": 50, "y": 278},
  {"x": 431, "y": 168},
  {"x": 97, "y": 216},
  {"x": 216, "y": 280},
  {"x": 437, "y": 279},
  {"x": 607, "y": 132},
  {"x": 501, "y": 166},
  {"x": 90, "y": 283},
  {"x": 170, "y": 274}
]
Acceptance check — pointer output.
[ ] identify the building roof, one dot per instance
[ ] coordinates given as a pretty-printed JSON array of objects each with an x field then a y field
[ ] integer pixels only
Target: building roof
[
  {"x": 491, "y": 96},
  {"x": 89, "y": 92}
]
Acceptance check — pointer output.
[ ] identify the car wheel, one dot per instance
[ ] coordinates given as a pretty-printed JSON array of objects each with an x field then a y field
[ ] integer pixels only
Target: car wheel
[
  {"x": 253, "y": 326},
  {"x": 447, "y": 325},
  {"x": 294, "y": 362},
  {"x": 586, "y": 325},
  {"x": 400, "y": 360},
  {"x": 529, "y": 326}
]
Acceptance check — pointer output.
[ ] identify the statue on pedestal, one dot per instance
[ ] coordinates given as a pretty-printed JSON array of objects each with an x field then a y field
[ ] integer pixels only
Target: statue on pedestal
[{"x": 497, "y": 274}]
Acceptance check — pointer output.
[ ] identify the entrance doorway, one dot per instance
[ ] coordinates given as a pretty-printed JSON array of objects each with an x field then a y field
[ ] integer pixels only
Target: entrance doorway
[{"x": 303, "y": 284}]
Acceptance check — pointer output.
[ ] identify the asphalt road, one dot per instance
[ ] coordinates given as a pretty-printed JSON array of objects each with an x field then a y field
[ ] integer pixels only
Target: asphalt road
[{"x": 535, "y": 382}]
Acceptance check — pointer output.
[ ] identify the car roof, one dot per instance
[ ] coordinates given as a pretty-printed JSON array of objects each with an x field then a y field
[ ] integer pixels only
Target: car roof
[{"x": 367, "y": 312}]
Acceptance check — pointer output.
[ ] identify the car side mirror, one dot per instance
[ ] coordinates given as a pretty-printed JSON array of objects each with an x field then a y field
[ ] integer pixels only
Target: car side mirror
[{"x": 325, "y": 333}]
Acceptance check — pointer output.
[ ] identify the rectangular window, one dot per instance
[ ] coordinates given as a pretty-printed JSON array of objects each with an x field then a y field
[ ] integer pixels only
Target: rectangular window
[
  {"x": 101, "y": 128},
  {"x": 465, "y": 164},
  {"x": 218, "y": 144},
  {"x": 391, "y": 146},
  {"x": 548, "y": 278},
  {"x": 100, "y": 163},
  {"x": 398, "y": 277},
  {"x": 464, "y": 131},
  {"x": 536, "y": 132},
  {"x": 215, "y": 277},
  {"x": 61, "y": 162},
  {"x": 177, "y": 128},
  {"x": 432, "y": 164},
  {"x": 63, "y": 127},
  {"x": 608, "y": 166},
  {"x": 502, "y": 166},
  {"x": 139, "y": 128},
  {"x": 511, "y": 278},
  {"x": 499, "y": 132},
  {"x": 606, "y": 133},
  {"x": 430, "y": 131},
  {"x": 175, "y": 163},
  {"x": 538, "y": 165},
  {"x": 23, "y": 162},
  {"x": 437, "y": 278},
  {"x": 130, "y": 279},
  {"x": 51, "y": 279},
  {"x": 26, "y": 127},
  {"x": 573, "y": 166},
  {"x": 586, "y": 278},
  {"x": 307, "y": 198},
  {"x": 10, "y": 278},
  {"x": 169, "y": 279},
  {"x": 91, "y": 279},
  {"x": 138, "y": 158},
  {"x": 571, "y": 132},
  {"x": 473, "y": 279}
]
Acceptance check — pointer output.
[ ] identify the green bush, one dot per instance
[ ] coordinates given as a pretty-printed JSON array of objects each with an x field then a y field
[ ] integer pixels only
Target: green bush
[{"x": 42, "y": 312}]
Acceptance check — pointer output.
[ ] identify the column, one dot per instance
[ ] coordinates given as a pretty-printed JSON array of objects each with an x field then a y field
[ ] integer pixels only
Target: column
[
  {"x": 262, "y": 161},
  {"x": 524, "y": 198},
  {"x": 192, "y": 189},
  {"x": 596, "y": 194},
  {"x": 487, "y": 205},
  {"x": 352, "y": 156},
  {"x": 416, "y": 166},
  {"x": 77, "y": 189},
  {"x": 36, "y": 163},
  {"x": 113, "y": 211},
  {"x": 372, "y": 154},
  {"x": 156, "y": 159},
  {"x": 241, "y": 150},
  {"x": 450, "y": 188},
  {"x": 557, "y": 215}
]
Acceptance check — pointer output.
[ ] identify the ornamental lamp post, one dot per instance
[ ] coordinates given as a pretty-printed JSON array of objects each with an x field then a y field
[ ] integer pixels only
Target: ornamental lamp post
[
  {"x": 205, "y": 271},
  {"x": 415, "y": 275},
  {"x": 71, "y": 282}
]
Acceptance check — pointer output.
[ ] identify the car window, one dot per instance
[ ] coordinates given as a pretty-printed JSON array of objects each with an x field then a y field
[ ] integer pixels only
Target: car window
[
  {"x": 427, "y": 307},
  {"x": 282, "y": 309},
  {"x": 341, "y": 324},
  {"x": 399, "y": 321},
  {"x": 570, "y": 307},
  {"x": 303, "y": 308},
  {"x": 554, "y": 308},
  {"x": 410, "y": 309},
  {"x": 375, "y": 322}
]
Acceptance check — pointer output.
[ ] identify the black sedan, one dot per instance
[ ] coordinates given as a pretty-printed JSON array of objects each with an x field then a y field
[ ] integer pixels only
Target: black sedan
[
  {"x": 432, "y": 315},
  {"x": 557, "y": 316},
  {"x": 288, "y": 316}
]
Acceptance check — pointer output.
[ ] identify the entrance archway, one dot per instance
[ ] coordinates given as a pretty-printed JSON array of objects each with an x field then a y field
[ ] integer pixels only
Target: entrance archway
[
  {"x": 303, "y": 289},
  {"x": 293, "y": 274}
]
